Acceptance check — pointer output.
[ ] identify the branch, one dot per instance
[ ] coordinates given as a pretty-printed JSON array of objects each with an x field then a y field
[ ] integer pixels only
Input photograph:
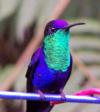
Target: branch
[{"x": 49, "y": 97}]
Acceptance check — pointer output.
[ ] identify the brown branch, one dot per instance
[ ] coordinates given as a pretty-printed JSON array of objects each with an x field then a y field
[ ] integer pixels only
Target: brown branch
[{"x": 60, "y": 8}]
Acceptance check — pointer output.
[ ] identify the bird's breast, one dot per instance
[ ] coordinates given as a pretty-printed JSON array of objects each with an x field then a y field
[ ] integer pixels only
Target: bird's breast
[
  {"x": 57, "y": 50},
  {"x": 58, "y": 58},
  {"x": 45, "y": 77}
]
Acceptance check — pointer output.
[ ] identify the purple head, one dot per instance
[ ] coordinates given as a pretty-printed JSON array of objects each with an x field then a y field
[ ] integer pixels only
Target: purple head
[{"x": 57, "y": 24}]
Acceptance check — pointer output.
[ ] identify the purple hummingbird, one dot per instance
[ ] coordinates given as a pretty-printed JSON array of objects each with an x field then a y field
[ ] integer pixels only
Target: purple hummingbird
[{"x": 51, "y": 65}]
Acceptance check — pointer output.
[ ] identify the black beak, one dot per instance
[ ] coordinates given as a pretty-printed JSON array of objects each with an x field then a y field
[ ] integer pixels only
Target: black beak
[{"x": 72, "y": 25}]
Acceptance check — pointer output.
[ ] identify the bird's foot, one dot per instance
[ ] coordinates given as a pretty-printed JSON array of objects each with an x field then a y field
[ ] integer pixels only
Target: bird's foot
[
  {"x": 41, "y": 94},
  {"x": 62, "y": 96}
]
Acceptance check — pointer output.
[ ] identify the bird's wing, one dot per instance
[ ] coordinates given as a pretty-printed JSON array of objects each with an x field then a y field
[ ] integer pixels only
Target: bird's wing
[
  {"x": 31, "y": 69},
  {"x": 71, "y": 63},
  {"x": 70, "y": 68},
  {"x": 36, "y": 106}
]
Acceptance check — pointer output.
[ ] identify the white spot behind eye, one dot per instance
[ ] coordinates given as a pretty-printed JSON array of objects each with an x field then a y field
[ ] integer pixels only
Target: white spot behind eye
[{"x": 52, "y": 30}]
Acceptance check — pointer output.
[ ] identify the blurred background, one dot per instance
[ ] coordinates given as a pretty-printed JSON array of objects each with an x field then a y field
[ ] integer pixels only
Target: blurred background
[{"x": 21, "y": 31}]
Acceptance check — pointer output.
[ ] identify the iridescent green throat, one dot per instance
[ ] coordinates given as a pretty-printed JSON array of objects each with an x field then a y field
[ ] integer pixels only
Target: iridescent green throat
[{"x": 57, "y": 50}]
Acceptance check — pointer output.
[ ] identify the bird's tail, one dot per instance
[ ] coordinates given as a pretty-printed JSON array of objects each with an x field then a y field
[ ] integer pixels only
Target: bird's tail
[{"x": 38, "y": 106}]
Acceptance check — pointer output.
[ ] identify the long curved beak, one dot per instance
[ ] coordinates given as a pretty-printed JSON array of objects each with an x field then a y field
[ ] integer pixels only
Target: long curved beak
[{"x": 72, "y": 25}]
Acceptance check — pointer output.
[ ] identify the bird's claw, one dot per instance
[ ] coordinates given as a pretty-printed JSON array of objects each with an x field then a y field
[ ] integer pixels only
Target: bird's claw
[
  {"x": 62, "y": 94},
  {"x": 59, "y": 102},
  {"x": 41, "y": 94}
]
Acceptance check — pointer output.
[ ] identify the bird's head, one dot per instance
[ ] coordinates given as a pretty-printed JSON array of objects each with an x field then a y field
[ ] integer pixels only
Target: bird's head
[
  {"x": 56, "y": 44},
  {"x": 53, "y": 26}
]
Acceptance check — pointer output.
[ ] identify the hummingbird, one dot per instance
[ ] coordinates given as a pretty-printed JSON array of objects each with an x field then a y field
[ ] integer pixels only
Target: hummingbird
[{"x": 51, "y": 65}]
